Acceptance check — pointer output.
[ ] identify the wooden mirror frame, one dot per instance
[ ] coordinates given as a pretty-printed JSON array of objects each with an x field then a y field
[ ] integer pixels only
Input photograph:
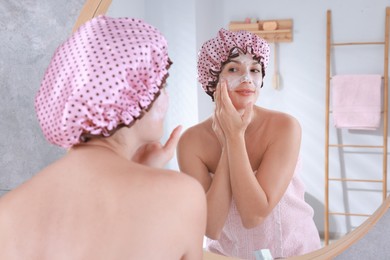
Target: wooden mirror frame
[
  {"x": 334, "y": 249},
  {"x": 93, "y": 8}
]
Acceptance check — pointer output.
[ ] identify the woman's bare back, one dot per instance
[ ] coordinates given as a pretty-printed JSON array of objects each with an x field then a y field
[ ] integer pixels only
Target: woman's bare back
[{"x": 93, "y": 204}]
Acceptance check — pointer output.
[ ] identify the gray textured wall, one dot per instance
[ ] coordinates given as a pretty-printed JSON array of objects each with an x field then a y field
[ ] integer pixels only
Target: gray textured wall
[
  {"x": 30, "y": 31},
  {"x": 374, "y": 245}
]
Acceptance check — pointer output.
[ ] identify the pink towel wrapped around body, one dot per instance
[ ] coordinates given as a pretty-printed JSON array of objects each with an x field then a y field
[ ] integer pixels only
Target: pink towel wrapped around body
[
  {"x": 356, "y": 101},
  {"x": 289, "y": 230}
]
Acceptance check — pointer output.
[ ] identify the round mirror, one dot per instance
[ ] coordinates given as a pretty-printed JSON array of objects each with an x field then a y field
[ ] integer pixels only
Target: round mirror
[{"x": 302, "y": 91}]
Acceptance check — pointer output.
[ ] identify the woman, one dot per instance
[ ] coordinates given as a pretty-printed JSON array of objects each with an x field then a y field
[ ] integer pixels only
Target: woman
[
  {"x": 103, "y": 98},
  {"x": 246, "y": 157}
]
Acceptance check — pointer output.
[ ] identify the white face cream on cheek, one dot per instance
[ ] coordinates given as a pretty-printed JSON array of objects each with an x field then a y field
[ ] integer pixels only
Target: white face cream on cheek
[
  {"x": 160, "y": 107},
  {"x": 234, "y": 82},
  {"x": 243, "y": 67}
]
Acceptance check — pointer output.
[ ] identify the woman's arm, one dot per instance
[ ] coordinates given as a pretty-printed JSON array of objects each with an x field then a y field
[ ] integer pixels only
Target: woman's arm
[
  {"x": 218, "y": 191},
  {"x": 256, "y": 195}
]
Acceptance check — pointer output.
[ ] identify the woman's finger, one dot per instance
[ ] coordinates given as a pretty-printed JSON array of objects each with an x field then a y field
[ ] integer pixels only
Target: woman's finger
[
  {"x": 226, "y": 102},
  {"x": 217, "y": 94},
  {"x": 173, "y": 139},
  {"x": 246, "y": 116},
  {"x": 215, "y": 124},
  {"x": 223, "y": 91}
]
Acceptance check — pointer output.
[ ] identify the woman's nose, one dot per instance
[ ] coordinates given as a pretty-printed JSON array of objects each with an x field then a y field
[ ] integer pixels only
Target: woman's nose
[{"x": 246, "y": 78}]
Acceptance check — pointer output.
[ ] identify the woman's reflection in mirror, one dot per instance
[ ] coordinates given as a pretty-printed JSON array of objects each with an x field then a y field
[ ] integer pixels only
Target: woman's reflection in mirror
[{"x": 246, "y": 157}]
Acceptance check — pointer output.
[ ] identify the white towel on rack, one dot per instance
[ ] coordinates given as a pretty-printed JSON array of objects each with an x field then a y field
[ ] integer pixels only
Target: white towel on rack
[{"x": 356, "y": 101}]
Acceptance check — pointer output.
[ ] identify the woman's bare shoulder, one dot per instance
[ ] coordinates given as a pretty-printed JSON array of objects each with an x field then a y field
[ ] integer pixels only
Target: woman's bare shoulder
[
  {"x": 197, "y": 135},
  {"x": 166, "y": 182},
  {"x": 278, "y": 118},
  {"x": 201, "y": 128},
  {"x": 178, "y": 181}
]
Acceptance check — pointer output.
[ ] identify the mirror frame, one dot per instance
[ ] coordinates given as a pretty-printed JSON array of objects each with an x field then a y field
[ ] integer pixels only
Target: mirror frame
[
  {"x": 332, "y": 250},
  {"x": 93, "y": 8}
]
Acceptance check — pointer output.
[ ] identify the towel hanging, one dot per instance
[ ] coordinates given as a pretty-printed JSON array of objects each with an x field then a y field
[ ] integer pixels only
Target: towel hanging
[{"x": 356, "y": 101}]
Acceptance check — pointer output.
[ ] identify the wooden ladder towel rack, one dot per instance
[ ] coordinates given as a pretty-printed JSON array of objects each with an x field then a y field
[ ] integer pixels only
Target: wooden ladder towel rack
[{"x": 329, "y": 46}]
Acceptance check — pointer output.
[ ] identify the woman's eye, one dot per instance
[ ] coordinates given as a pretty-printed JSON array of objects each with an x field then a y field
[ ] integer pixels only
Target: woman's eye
[
  {"x": 255, "y": 70},
  {"x": 232, "y": 70}
]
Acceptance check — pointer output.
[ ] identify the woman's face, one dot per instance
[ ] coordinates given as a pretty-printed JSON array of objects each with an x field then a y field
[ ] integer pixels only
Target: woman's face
[{"x": 244, "y": 78}]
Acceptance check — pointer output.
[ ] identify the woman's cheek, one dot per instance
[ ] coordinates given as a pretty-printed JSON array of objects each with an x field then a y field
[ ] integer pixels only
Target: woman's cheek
[
  {"x": 258, "y": 82},
  {"x": 232, "y": 82},
  {"x": 160, "y": 107}
]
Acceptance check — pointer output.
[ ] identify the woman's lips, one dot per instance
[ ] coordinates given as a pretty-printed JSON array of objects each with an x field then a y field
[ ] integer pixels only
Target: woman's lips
[{"x": 245, "y": 92}]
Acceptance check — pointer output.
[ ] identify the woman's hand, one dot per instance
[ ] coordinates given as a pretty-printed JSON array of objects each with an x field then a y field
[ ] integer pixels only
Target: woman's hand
[
  {"x": 157, "y": 155},
  {"x": 228, "y": 118},
  {"x": 218, "y": 130}
]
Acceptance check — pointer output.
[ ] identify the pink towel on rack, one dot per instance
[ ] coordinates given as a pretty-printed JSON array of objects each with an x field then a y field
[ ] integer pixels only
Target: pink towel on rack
[{"x": 356, "y": 101}]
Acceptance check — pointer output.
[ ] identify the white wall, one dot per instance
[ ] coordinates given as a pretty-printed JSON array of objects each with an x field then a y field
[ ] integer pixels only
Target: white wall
[
  {"x": 179, "y": 29},
  {"x": 188, "y": 23},
  {"x": 122, "y": 8}
]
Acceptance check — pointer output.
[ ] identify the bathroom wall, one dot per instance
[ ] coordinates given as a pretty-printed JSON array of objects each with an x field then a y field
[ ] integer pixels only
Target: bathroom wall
[
  {"x": 179, "y": 29},
  {"x": 30, "y": 32}
]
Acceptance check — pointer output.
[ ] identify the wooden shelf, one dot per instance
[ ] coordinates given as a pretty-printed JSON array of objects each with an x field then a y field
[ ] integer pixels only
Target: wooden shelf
[
  {"x": 276, "y": 35},
  {"x": 282, "y": 33}
]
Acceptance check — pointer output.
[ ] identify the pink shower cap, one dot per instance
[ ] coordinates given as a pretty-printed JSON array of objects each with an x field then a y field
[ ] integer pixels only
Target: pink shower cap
[
  {"x": 103, "y": 77},
  {"x": 215, "y": 52}
]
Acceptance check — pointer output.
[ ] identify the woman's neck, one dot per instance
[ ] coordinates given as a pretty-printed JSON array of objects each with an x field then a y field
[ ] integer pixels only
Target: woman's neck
[{"x": 123, "y": 147}]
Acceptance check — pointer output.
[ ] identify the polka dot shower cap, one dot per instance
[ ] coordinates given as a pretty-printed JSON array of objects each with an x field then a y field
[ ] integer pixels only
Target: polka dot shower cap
[
  {"x": 215, "y": 52},
  {"x": 105, "y": 76}
]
